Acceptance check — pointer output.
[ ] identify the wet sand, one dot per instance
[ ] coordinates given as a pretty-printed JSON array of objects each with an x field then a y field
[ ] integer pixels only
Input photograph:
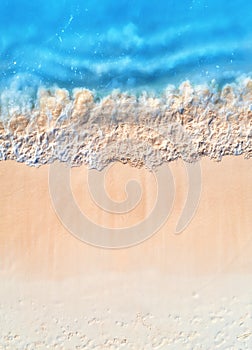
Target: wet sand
[{"x": 171, "y": 291}]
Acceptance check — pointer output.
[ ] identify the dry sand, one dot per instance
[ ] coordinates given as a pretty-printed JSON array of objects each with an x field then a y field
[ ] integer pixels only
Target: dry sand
[{"x": 187, "y": 291}]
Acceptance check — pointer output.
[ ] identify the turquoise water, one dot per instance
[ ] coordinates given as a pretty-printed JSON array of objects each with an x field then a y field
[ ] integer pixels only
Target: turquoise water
[{"x": 129, "y": 45}]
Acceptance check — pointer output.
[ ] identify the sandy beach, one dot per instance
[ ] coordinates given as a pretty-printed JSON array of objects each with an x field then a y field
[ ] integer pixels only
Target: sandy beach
[
  {"x": 60, "y": 292},
  {"x": 125, "y": 175}
]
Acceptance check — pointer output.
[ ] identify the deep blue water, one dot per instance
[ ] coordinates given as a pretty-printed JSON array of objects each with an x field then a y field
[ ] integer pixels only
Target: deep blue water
[{"x": 122, "y": 44}]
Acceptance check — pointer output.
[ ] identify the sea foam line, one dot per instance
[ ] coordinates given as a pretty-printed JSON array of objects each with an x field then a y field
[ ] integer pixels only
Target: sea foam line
[{"x": 186, "y": 122}]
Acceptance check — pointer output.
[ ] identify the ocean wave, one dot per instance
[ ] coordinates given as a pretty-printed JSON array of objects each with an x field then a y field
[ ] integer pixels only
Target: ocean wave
[
  {"x": 80, "y": 127},
  {"x": 109, "y": 45},
  {"x": 137, "y": 82}
]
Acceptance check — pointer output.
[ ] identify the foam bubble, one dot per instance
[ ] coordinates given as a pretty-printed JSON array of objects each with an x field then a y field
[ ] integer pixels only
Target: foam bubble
[{"x": 146, "y": 129}]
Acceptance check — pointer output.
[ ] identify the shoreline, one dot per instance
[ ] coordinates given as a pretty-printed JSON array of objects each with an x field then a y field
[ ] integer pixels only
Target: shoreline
[{"x": 188, "y": 123}]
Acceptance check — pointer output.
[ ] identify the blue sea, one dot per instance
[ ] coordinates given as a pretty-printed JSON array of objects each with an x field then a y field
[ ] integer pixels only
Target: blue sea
[{"x": 126, "y": 45}]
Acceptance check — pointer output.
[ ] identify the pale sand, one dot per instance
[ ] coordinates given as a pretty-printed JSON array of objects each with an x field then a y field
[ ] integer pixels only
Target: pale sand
[{"x": 187, "y": 291}]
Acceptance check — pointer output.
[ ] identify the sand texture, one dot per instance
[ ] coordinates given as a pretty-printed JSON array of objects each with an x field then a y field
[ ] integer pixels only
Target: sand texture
[{"x": 186, "y": 291}]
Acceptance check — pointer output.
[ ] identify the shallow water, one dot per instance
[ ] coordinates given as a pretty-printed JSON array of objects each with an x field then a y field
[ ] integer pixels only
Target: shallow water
[{"x": 140, "y": 45}]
